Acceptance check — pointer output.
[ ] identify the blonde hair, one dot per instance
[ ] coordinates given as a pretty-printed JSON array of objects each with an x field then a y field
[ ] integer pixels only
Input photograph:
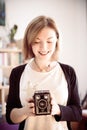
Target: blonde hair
[{"x": 34, "y": 27}]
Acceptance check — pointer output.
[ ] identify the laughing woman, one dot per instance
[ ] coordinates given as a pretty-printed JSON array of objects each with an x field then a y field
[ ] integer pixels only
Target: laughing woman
[{"x": 43, "y": 71}]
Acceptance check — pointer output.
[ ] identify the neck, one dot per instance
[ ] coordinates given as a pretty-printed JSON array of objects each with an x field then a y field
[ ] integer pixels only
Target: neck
[{"x": 43, "y": 66}]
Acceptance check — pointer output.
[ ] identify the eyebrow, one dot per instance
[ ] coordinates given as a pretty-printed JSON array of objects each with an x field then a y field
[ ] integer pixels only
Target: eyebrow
[
  {"x": 47, "y": 38},
  {"x": 50, "y": 37}
]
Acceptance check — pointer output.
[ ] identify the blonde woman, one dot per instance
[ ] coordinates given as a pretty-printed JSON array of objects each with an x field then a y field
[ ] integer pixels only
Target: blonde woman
[{"x": 43, "y": 72}]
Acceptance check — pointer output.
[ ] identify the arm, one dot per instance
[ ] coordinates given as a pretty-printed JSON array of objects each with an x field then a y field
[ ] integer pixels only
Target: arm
[
  {"x": 15, "y": 113},
  {"x": 18, "y": 115},
  {"x": 71, "y": 112}
]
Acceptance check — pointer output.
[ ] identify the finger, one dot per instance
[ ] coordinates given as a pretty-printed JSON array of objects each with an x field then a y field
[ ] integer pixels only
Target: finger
[
  {"x": 32, "y": 112},
  {"x": 30, "y": 100},
  {"x": 53, "y": 102},
  {"x": 31, "y": 105}
]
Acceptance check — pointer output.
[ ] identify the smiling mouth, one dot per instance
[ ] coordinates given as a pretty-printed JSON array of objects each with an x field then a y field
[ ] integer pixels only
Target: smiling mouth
[{"x": 43, "y": 54}]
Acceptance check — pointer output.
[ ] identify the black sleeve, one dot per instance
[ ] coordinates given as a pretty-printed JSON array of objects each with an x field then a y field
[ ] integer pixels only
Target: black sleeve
[
  {"x": 71, "y": 112},
  {"x": 13, "y": 100}
]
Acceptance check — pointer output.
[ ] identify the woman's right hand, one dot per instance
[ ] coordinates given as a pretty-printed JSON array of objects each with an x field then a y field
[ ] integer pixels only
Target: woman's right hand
[
  {"x": 19, "y": 114},
  {"x": 29, "y": 107}
]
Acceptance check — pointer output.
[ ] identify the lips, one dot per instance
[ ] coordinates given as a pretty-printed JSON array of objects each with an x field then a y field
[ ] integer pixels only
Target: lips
[{"x": 43, "y": 53}]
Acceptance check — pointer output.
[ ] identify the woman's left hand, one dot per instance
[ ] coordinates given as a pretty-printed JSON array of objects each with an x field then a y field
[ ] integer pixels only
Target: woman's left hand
[{"x": 55, "y": 107}]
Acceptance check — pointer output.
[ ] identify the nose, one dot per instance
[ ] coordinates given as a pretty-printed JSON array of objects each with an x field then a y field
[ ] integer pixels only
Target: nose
[{"x": 43, "y": 46}]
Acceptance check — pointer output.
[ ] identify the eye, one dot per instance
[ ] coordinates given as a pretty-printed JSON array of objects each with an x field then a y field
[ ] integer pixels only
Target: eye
[
  {"x": 49, "y": 42},
  {"x": 36, "y": 42}
]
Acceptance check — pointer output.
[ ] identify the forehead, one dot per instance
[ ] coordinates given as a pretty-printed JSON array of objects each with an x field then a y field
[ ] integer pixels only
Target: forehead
[{"x": 46, "y": 32}]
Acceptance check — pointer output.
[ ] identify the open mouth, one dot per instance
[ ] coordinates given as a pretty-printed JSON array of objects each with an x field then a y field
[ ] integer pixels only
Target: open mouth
[{"x": 43, "y": 53}]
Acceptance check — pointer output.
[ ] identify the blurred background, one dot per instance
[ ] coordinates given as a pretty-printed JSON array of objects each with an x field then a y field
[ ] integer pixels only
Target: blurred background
[{"x": 71, "y": 19}]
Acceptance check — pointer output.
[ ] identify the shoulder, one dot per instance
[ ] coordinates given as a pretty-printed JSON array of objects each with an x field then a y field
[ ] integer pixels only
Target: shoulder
[
  {"x": 19, "y": 68},
  {"x": 17, "y": 71},
  {"x": 67, "y": 68},
  {"x": 69, "y": 72}
]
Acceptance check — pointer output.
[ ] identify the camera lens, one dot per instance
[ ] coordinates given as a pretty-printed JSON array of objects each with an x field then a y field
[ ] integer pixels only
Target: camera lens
[{"x": 42, "y": 104}]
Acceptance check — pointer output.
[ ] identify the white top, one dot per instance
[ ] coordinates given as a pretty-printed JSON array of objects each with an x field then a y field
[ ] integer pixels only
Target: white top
[{"x": 54, "y": 81}]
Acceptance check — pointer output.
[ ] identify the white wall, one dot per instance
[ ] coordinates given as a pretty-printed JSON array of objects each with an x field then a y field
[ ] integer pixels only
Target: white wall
[{"x": 71, "y": 18}]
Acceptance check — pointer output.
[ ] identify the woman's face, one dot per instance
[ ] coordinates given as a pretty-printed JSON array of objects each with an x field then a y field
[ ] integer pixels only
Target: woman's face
[{"x": 44, "y": 44}]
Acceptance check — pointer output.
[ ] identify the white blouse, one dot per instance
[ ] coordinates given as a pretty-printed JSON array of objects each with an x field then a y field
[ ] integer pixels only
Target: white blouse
[{"x": 55, "y": 82}]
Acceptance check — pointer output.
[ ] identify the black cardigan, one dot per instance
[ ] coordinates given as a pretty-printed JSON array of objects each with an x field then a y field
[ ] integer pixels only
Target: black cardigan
[{"x": 71, "y": 112}]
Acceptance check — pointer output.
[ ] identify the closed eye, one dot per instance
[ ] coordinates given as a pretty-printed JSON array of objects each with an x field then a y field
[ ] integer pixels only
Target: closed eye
[
  {"x": 36, "y": 42},
  {"x": 49, "y": 42}
]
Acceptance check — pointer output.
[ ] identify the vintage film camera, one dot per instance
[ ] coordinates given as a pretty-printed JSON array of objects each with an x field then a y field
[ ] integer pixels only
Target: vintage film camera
[{"x": 42, "y": 102}]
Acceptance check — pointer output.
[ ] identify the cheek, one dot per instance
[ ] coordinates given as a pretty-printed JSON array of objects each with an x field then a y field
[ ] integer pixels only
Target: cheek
[
  {"x": 34, "y": 49},
  {"x": 53, "y": 46}
]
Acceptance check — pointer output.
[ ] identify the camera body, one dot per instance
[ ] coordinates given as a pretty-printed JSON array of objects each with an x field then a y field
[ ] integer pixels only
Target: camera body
[{"x": 42, "y": 102}]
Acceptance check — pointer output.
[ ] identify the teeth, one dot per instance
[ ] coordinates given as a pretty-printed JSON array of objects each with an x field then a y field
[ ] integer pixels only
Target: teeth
[{"x": 44, "y": 53}]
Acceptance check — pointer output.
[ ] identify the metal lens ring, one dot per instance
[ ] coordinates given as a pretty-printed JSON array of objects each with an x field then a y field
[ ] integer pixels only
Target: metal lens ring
[{"x": 42, "y": 104}]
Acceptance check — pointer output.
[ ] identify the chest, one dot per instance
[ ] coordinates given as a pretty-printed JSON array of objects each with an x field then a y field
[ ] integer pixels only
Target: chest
[{"x": 55, "y": 82}]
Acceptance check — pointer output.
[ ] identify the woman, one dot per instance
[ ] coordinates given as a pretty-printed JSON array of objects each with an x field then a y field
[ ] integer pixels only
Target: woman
[{"x": 43, "y": 72}]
